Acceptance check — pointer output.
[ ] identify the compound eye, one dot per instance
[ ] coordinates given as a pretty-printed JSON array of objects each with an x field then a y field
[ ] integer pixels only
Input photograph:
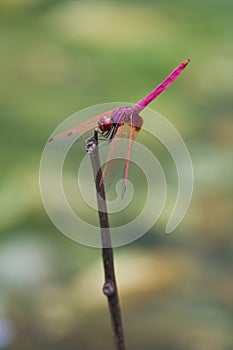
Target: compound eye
[{"x": 105, "y": 123}]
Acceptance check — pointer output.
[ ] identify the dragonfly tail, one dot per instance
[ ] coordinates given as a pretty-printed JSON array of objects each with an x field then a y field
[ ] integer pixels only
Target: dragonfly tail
[{"x": 161, "y": 87}]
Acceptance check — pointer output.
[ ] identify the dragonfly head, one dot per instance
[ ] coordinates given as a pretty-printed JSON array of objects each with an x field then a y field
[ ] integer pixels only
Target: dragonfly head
[{"x": 105, "y": 123}]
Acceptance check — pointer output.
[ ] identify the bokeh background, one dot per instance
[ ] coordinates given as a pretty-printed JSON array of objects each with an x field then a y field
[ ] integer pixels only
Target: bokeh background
[{"x": 57, "y": 57}]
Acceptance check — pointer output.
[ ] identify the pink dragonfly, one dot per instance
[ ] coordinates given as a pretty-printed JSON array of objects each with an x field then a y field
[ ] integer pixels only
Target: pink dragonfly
[{"x": 111, "y": 124}]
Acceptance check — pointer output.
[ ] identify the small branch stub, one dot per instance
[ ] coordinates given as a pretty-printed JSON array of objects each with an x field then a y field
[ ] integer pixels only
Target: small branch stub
[{"x": 109, "y": 288}]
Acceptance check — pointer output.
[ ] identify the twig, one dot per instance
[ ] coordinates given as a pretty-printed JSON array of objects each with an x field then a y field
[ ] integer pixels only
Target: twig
[{"x": 110, "y": 285}]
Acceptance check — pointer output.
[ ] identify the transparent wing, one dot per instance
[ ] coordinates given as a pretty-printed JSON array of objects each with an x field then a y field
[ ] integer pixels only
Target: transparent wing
[
  {"x": 89, "y": 125},
  {"x": 112, "y": 166},
  {"x": 131, "y": 138}
]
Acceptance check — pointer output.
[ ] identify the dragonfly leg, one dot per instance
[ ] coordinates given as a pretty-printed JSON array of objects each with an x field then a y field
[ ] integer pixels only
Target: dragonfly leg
[
  {"x": 110, "y": 138},
  {"x": 109, "y": 134}
]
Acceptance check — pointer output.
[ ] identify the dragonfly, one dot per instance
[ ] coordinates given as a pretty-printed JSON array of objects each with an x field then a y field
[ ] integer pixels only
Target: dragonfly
[{"x": 111, "y": 125}]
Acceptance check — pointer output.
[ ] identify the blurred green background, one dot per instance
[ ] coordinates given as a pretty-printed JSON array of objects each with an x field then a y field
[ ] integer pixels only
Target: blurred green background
[{"x": 57, "y": 57}]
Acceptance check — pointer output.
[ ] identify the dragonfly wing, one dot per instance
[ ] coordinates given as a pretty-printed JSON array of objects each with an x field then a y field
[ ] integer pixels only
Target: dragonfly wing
[
  {"x": 131, "y": 138},
  {"x": 111, "y": 165},
  {"x": 89, "y": 126}
]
